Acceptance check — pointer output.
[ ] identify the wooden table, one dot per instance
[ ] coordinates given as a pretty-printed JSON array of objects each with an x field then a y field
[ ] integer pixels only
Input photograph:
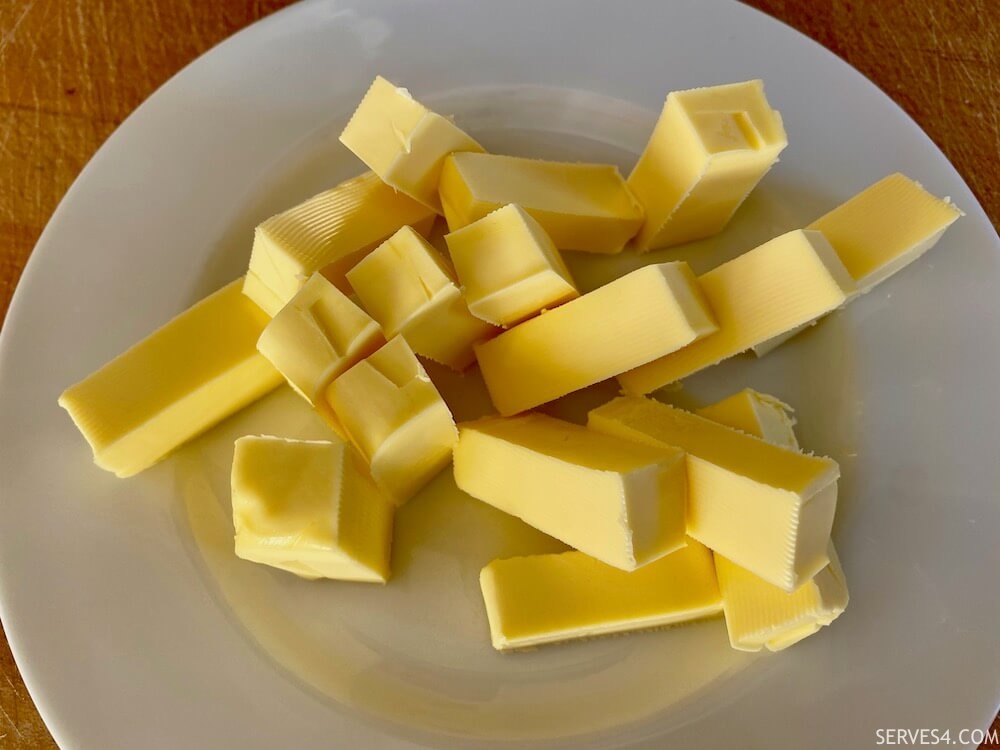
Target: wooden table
[{"x": 71, "y": 71}]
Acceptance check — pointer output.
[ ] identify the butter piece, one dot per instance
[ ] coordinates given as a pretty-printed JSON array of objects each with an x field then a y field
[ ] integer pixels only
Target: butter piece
[
  {"x": 396, "y": 418},
  {"x": 309, "y": 507},
  {"x": 558, "y": 597},
  {"x": 330, "y": 232},
  {"x": 709, "y": 149},
  {"x": 774, "y": 288},
  {"x": 618, "y": 501},
  {"x": 189, "y": 375},
  {"x": 403, "y": 142},
  {"x": 317, "y": 336},
  {"x": 756, "y": 414},
  {"x": 879, "y": 232},
  {"x": 509, "y": 268},
  {"x": 766, "y": 508},
  {"x": 637, "y": 318},
  {"x": 581, "y": 206},
  {"x": 408, "y": 287}
]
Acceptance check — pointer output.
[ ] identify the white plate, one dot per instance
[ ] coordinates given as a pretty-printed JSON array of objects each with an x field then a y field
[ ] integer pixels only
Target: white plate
[{"x": 135, "y": 626}]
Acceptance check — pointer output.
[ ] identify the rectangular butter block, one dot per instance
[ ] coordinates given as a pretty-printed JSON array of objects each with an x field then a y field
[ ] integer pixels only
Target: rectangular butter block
[
  {"x": 396, "y": 418},
  {"x": 619, "y": 501},
  {"x": 776, "y": 287},
  {"x": 766, "y": 508},
  {"x": 403, "y": 142},
  {"x": 756, "y": 414},
  {"x": 173, "y": 385},
  {"x": 635, "y": 319},
  {"x": 311, "y": 508},
  {"x": 709, "y": 149},
  {"x": 583, "y": 207},
  {"x": 542, "y": 599},
  {"x": 330, "y": 232},
  {"x": 408, "y": 287},
  {"x": 318, "y": 335},
  {"x": 509, "y": 268}
]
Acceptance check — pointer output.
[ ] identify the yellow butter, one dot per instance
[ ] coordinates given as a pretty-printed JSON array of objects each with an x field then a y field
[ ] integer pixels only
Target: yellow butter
[
  {"x": 189, "y": 375},
  {"x": 583, "y": 207},
  {"x": 403, "y": 142},
  {"x": 766, "y": 508},
  {"x": 709, "y": 149},
  {"x": 330, "y": 232},
  {"x": 756, "y": 414},
  {"x": 509, "y": 267},
  {"x": 542, "y": 599},
  {"x": 407, "y": 286},
  {"x": 616, "y": 500},
  {"x": 637, "y": 318},
  {"x": 311, "y": 508},
  {"x": 396, "y": 418},
  {"x": 774, "y": 288},
  {"x": 317, "y": 336}
]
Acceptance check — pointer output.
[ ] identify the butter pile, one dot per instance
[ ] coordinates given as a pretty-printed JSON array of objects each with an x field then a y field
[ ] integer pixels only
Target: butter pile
[{"x": 671, "y": 516}]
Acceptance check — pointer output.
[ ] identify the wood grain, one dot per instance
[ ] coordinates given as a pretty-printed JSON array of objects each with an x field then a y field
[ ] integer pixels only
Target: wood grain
[{"x": 72, "y": 70}]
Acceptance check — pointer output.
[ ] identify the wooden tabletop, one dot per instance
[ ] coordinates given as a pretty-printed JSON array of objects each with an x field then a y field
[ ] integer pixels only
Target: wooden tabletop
[{"x": 71, "y": 71}]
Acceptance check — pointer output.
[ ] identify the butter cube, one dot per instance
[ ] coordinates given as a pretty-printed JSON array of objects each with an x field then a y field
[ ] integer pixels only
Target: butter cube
[
  {"x": 709, "y": 149},
  {"x": 768, "y": 509},
  {"x": 635, "y": 319},
  {"x": 403, "y": 142},
  {"x": 776, "y": 287},
  {"x": 756, "y": 414},
  {"x": 330, "y": 232},
  {"x": 879, "y": 232},
  {"x": 409, "y": 289},
  {"x": 616, "y": 500},
  {"x": 396, "y": 418},
  {"x": 581, "y": 206},
  {"x": 309, "y": 507},
  {"x": 509, "y": 268},
  {"x": 317, "y": 336},
  {"x": 558, "y": 597},
  {"x": 189, "y": 375}
]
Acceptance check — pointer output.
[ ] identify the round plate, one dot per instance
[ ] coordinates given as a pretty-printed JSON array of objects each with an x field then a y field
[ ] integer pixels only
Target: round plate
[{"x": 135, "y": 626}]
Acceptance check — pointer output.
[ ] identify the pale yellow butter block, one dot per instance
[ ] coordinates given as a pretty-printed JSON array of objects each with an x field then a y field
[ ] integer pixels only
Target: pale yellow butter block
[
  {"x": 311, "y": 508},
  {"x": 318, "y": 335},
  {"x": 756, "y": 414},
  {"x": 776, "y": 287},
  {"x": 635, "y": 319},
  {"x": 189, "y": 375},
  {"x": 330, "y": 232},
  {"x": 394, "y": 415},
  {"x": 509, "y": 267},
  {"x": 709, "y": 149},
  {"x": 403, "y": 142},
  {"x": 617, "y": 500},
  {"x": 583, "y": 207},
  {"x": 766, "y": 508},
  {"x": 407, "y": 286},
  {"x": 542, "y": 599}
]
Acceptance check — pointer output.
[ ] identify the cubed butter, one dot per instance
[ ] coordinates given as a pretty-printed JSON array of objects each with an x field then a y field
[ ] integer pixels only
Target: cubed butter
[
  {"x": 407, "y": 286},
  {"x": 774, "y": 288},
  {"x": 509, "y": 267},
  {"x": 756, "y": 414},
  {"x": 637, "y": 318},
  {"x": 542, "y": 599},
  {"x": 403, "y": 142},
  {"x": 330, "y": 232},
  {"x": 318, "y": 335},
  {"x": 311, "y": 508},
  {"x": 583, "y": 207},
  {"x": 709, "y": 149},
  {"x": 617, "y": 500},
  {"x": 189, "y": 375},
  {"x": 766, "y": 508},
  {"x": 394, "y": 415}
]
